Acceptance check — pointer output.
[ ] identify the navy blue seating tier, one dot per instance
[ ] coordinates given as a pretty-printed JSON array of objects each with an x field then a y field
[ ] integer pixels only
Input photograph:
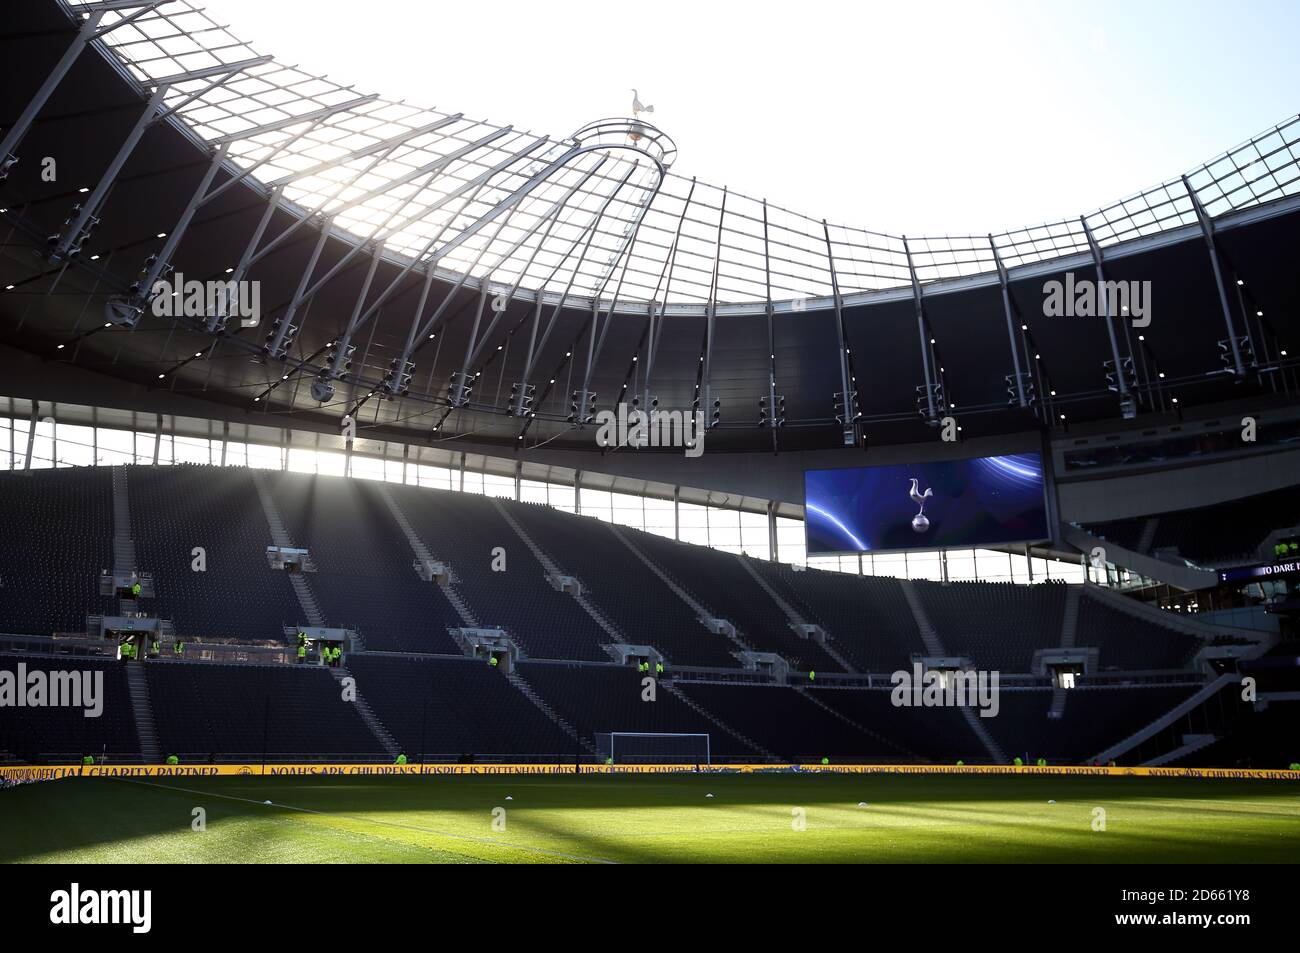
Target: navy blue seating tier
[
  {"x": 242, "y": 712},
  {"x": 65, "y": 734},
  {"x": 782, "y": 721},
  {"x": 998, "y": 625},
  {"x": 238, "y": 595},
  {"x": 365, "y": 577},
  {"x": 1131, "y": 644},
  {"x": 1094, "y": 718},
  {"x": 448, "y": 709},
  {"x": 912, "y": 734},
  {"x": 464, "y": 531},
  {"x": 598, "y": 699},
  {"x": 623, "y": 587},
  {"x": 720, "y": 582},
  {"x": 56, "y": 536},
  {"x": 867, "y": 616}
]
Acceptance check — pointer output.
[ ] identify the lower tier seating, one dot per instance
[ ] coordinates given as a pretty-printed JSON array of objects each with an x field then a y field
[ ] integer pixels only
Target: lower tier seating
[
  {"x": 207, "y": 710},
  {"x": 453, "y": 709}
]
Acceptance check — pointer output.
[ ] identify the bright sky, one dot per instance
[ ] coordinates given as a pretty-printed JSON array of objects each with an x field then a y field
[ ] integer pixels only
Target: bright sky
[{"x": 906, "y": 117}]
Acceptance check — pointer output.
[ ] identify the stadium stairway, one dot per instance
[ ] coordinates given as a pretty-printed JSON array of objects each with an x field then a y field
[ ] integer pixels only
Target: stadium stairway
[
  {"x": 931, "y": 639},
  {"x": 1178, "y": 574},
  {"x": 142, "y": 713},
  {"x": 1057, "y": 709},
  {"x": 422, "y": 554},
  {"x": 521, "y": 683},
  {"x": 1169, "y": 620},
  {"x": 1148, "y": 535},
  {"x": 1069, "y": 632},
  {"x": 280, "y": 537},
  {"x": 382, "y": 734},
  {"x": 982, "y": 733},
  {"x": 701, "y": 613},
  {"x": 123, "y": 545},
  {"x": 1191, "y": 744},
  {"x": 1209, "y": 690},
  {"x": 549, "y": 564},
  {"x": 791, "y": 615},
  {"x": 1070, "y": 618},
  {"x": 714, "y": 719}
]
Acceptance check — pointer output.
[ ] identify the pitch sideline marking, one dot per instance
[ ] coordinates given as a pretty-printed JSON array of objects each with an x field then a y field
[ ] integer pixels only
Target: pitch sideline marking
[{"x": 368, "y": 820}]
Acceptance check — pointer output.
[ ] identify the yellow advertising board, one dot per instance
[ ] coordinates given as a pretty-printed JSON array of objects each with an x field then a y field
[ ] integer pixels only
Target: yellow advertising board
[{"x": 152, "y": 771}]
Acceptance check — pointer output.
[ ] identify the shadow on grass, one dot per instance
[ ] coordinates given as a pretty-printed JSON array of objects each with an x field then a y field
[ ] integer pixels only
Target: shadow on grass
[{"x": 649, "y": 819}]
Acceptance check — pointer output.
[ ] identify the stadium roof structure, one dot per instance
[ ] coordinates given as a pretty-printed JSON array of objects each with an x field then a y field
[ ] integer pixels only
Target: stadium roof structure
[{"x": 433, "y": 275}]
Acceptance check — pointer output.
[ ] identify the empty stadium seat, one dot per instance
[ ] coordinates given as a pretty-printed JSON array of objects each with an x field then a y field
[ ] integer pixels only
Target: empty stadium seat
[
  {"x": 64, "y": 734},
  {"x": 238, "y": 595},
  {"x": 450, "y": 709},
  {"x": 244, "y": 712},
  {"x": 57, "y": 538}
]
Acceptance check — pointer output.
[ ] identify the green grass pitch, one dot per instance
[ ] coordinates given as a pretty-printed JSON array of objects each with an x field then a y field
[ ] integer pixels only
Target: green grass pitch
[{"x": 652, "y": 818}]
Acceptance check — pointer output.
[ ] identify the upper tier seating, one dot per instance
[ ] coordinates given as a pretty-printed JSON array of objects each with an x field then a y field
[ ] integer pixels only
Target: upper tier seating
[
  {"x": 718, "y": 581},
  {"x": 463, "y": 530},
  {"x": 56, "y": 536},
  {"x": 244, "y": 712},
  {"x": 997, "y": 625},
  {"x": 1128, "y": 643},
  {"x": 64, "y": 734},
  {"x": 365, "y": 577},
  {"x": 238, "y": 595},
  {"x": 867, "y": 616},
  {"x": 623, "y": 587}
]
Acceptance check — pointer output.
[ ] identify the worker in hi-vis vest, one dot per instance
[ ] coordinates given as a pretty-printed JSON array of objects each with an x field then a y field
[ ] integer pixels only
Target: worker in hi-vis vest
[
  {"x": 178, "y": 648},
  {"x": 302, "y": 652},
  {"x": 136, "y": 589}
]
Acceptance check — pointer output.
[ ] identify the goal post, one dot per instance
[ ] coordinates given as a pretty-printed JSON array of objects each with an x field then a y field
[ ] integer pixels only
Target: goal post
[{"x": 654, "y": 747}]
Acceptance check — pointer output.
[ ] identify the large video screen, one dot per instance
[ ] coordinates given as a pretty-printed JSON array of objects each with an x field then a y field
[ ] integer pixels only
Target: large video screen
[{"x": 952, "y": 504}]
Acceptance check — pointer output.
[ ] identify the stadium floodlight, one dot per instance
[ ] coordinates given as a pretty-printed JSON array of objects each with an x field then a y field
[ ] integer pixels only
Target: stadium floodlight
[{"x": 654, "y": 747}]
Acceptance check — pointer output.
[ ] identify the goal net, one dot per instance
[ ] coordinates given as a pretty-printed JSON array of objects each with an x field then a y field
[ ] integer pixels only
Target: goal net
[{"x": 653, "y": 747}]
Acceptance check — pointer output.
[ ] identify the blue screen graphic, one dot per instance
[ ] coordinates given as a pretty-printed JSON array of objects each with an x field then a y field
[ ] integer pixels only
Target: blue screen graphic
[{"x": 951, "y": 504}]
